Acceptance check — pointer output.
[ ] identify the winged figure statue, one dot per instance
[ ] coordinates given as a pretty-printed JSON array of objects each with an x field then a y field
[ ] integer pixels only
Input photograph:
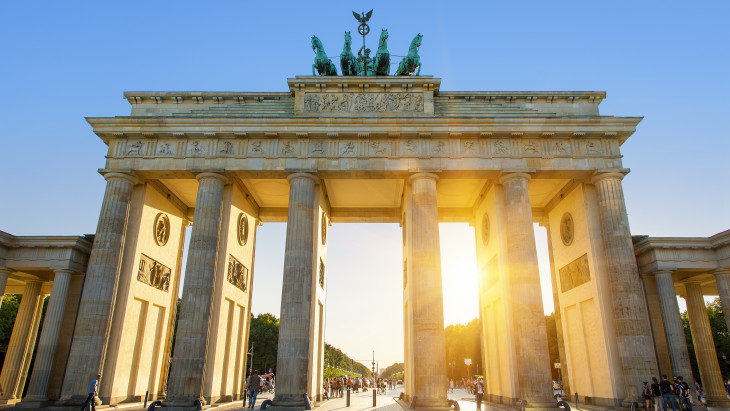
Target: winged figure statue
[{"x": 364, "y": 17}]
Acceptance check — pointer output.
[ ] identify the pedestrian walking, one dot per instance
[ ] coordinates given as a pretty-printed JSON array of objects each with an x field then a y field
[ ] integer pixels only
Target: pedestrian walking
[
  {"x": 647, "y": 395},
  {"x": 252, "y": 385},
  {"x": 479, "y": 391},
  {"x": 684, "y": 393},
  {"x": 656, "y": 392},
  {"x": 93, "y": 392},
  {"x": 667, "y": 390}
]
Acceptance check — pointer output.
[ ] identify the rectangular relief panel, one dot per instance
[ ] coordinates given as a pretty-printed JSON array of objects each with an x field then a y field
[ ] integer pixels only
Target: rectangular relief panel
[
  {"x": 575, "y": 273},
  {"x": 237, "y": 273},
  {"x": 363, "y": 102},
  {"x": 154, "y": 273}
]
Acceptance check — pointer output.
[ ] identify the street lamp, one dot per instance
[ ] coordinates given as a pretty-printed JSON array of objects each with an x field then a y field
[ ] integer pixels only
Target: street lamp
[{"x": 467, "y": 361}]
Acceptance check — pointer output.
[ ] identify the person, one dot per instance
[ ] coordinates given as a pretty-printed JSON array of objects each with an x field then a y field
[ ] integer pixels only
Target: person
[
  {"x": 93, "y": 391},
  {"x": 667, "y": 392},
  {"x": 451, "y": 385},
  {"x": 253, "y": 388},
  {"x": 656, "y": 392},
  {"x": 646, "y": 395},
  {"x": 479, "y": 391},
  {"x": 684, "y": 393}
]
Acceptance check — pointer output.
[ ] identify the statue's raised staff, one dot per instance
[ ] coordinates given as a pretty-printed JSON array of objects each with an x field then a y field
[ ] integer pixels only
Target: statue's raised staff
[
  {"x": 348, "y": 63},
  {"x": 322, "y": 64},
  {"x": 412, "y": 61},
  {"x": 382, "y": 56}
]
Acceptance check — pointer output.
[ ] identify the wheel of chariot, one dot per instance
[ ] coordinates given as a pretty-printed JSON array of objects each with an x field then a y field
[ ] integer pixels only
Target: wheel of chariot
[{"x": 363, "y": 29}]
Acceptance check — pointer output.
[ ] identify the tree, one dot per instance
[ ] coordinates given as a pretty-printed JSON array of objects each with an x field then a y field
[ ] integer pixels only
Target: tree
[
  {"x": 720, "y": 337},
  {"x": 393, "y": 370},
  {"x": 464, "y": 341},
  {"x": 264, "y": 338},
  {"x": 8, "y": 311}
]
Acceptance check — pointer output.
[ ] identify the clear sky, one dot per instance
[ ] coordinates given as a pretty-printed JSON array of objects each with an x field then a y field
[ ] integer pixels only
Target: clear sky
[{"x": 667, "y": 61}]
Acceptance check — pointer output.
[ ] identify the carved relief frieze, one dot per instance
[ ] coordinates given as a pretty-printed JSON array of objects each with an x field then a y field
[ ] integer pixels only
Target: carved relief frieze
[
  {"x": 256, "y": 147},
  {"x": 470, "y": 148},
  {"x": 237, "y": 274},
  {"x": 363, "y": 102},
  {"x": 287, "y": 148},
  {"x": 165, "y": 149},
  {"x": 197, "y": 148},
  {"x": 593, "y": 148},
  {"x": 378, "y": 148},
  {"x": 501, "y": 148},
  {"x": 348, "y": 149},
  {"x": 531, "y": 148},
  {"x": 225, "y": 148},
  {"x": 135, "y": 148},
  {"x": 317, "y": 148},
  {"x": 411, "y": 148},
  {"x": 153, "y": 273},
  {"x": 575, "y": 273},
  {"x": 438, "y": 148},
  {"x": 560, "y": 148}
]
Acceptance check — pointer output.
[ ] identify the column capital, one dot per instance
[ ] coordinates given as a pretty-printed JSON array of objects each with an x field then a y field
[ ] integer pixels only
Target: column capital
[
  {"x": 505, "y": 177},
  {"x": 614, "y": 175},
  {"x": 124, "y": 176},
  {"x": 419, "y": 176},
  {"x": 718, "y": 271},
  {"x": 658, "y": 273},
  {"x": 208, "y": 174},
  {"x": 63, "y": 270},
  {"x": 294, "y": 176},
  {"x": 5, "y": 270}
]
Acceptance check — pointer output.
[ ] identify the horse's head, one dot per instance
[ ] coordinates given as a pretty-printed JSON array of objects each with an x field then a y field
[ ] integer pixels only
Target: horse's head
[
  {"x": 417, "y": 40},
  {"x": 316, "y": 43},
  {"x": 383, "y": 36},
  {"x": 348, "y": 38}
]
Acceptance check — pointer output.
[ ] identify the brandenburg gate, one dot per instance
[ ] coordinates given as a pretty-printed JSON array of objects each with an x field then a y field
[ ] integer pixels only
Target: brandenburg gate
[{"x": 373, "y": 149}]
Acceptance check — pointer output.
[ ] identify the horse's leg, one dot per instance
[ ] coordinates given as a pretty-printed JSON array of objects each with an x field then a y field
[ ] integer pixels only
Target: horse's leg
[
  {"x": 418, "y": 73},
  {"x": 314, "y": 66}
]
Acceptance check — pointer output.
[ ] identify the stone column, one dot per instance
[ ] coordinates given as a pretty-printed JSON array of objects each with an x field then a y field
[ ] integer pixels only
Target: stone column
[
  {"x": 673, "y": 328},
  {"x": 533, "y": 359},
  {"x": 185, "y": 385},
  {"x": 705, "y": 347},
  {"x": 292, "y": 361},
  {"x": 20, "y": 339},
  {"x": 4, "y": 274},
  {"x": 722, "y": 278},
  {"x": 46, "y": 353},
  {"x": 428, "y": 343},
  {"x": 86, "y": 357},
  {"x": 633, "y": 332}
]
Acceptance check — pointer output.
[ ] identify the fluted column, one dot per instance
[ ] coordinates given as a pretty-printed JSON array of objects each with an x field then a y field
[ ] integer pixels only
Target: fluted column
[
  {"x": 88, "y": 347},
  {"x": 673, "y": 328},
  {"x": 20, "y": 339},
  {"x": 722, "y": 278},
  {"x": 4, "y": 274},
  {"x": 191, "y": 342},
  {"x": 428, "y": 343},
  {"x": 533, "y": 360},
  {"x": 633, "y": 332},
  {"x": 704, "y": 346},
  {"x": 292, "y": 361},
  {"x": 46, "y": 353}
]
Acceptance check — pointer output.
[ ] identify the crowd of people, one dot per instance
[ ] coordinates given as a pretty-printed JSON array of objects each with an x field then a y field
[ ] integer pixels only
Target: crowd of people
[
  {"x": 659, "y": 395},
  {"x": 336, "y": 387}
]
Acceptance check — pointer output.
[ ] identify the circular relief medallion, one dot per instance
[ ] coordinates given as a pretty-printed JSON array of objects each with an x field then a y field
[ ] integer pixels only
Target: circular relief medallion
[
  {"x": 161, "y": 229},
  {"x": 324, "y": 228},
  {"x": 242, "y": 229},
  {"x": 567, "y": 229},
  {"x": 485, "y": 229}
]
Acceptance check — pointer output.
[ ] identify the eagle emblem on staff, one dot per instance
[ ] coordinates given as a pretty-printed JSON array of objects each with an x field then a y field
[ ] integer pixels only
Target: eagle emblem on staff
[{"x": 363, "y": 18}]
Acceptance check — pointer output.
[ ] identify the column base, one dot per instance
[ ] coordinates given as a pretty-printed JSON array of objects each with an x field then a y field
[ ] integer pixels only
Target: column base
[
  {"x": 9, "y": 401},
  {"x": 33, "y": 403},
  {"x": 295, "y": 401},
  {"x": 713, "y": 401}
]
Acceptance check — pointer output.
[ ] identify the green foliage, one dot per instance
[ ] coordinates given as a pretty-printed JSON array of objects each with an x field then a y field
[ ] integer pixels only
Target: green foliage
[
  {"x": 464, "y": 341},
  {"x": 720, "y": 336},
  {"x": 8, "y": 311},
  {"x": 264, "y": 338},
  {"x": 336, "y": 363},
  {"x": 394, "y": 370},
  {"x": 552, "y": 337}
]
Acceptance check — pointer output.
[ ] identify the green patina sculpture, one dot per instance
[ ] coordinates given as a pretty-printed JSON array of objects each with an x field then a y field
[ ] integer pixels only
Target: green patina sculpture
[
  {"x": 322, "y": 64},
  {"x": 365, "y": 65},
  {"x": 412, "y": 61},
  {"x": 382, "y": 56},
  {"x": 348, "y": 62}
]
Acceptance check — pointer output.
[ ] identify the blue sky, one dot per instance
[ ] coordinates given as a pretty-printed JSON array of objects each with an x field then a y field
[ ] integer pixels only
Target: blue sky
[{"x": 62, "y": 61}]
